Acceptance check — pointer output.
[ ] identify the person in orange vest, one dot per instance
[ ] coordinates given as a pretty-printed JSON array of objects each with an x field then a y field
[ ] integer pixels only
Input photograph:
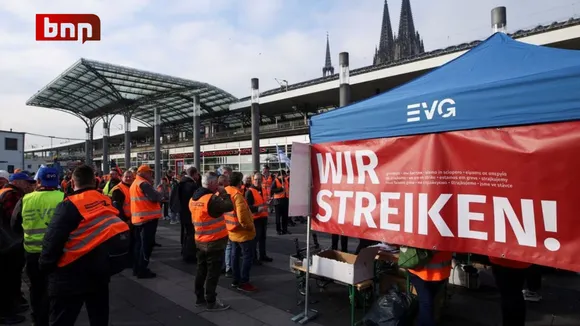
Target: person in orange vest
[
  {"x": 510, "y": 276},
  {"x": 259, "y": 209},
  {"x": 280, "y": 204},
  {"x": 211, "y": 236},
  {"x": 240, "y": 225},
  {"x": 428, "y": 281},
  {"x": 267, "y": 180},
  {"x": 77, "y": 252},
  {"x": 145, "y": 215},
  {"x": 121, "y": 198}
]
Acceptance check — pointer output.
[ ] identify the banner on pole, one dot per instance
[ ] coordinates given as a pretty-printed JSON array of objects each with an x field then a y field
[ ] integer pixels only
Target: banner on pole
[
  {"x": 509, "y": 192},
  {"x": 300, "y": 180}
]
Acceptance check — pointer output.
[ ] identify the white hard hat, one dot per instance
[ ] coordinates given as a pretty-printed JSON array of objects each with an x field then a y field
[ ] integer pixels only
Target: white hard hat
[{"x": 4, "y": 175}]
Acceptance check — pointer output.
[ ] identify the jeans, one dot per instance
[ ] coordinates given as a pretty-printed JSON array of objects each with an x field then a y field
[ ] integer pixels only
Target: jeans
[
  {"x": 510, "y": 282},
  {"x": 246, "y": 251},
  {"x": 426, "y": 294},
  {"x": 64, "y": 310},
  {"x": 343, "y": 242},
  {"x": 144, "y": 242},
  {"x": 261, "y": 225},
  {"x": 281, "y": 209},
  {"x": 210, "y": 258},
  {"x": 38, "y": 297},
  {"x": 534, "y": 278},
  {"x": 228, "y": 257}
]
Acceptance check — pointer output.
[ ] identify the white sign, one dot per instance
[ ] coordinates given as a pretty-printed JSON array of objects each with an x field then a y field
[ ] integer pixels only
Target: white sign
[{"x": 300, "y": 180}]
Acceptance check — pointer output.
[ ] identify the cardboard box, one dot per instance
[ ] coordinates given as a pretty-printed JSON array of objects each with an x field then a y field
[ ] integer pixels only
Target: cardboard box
[{"x": 344, "y": 267}]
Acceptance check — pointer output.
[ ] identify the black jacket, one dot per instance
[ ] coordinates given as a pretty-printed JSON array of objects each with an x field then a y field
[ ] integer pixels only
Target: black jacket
[
  {"x": 85, "y": 275},
  {"x": 185, "y": 190}
]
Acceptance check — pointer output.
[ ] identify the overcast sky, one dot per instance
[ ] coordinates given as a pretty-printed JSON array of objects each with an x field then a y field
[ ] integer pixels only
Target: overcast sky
[{"x": 225, "y": 42}]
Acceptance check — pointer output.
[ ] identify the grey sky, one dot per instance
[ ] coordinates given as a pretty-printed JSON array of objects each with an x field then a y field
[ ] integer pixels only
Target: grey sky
[{"x": 226, "y": 42}]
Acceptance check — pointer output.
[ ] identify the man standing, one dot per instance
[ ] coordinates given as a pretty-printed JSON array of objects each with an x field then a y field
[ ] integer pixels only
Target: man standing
[
  {"x": 240, "y": 225},
  {"x": 114, "y": 180},
  {"x": 121, "y": 197},
  {"x": 145, "y": 215},
  {"x": 259, "y": 209},
  {"x": 280, "y": 204},
  {"x": 267, "y": 180},
  {"x": 211, "y": 237},
  {"x": 31, "y": 216},
  {"x": 75, "y": 253},
  {"x": 12, "y": 262},
  {"x": 180, "y": 205}
]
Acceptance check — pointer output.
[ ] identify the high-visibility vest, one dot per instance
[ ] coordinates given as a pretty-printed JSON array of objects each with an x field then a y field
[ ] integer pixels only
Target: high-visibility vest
[
  {"x": 287, "y": 186},
  {"x": 231, "y": 218},
  {"x": 37, "y": 211},
  {"x": 509, "y": 263},
  {"x": 100, "y": 223},
  {"x": 258, "y": 202},
  {"x": 207, "y": 228},
  {"x": 282, "y": 194},
  {"x": 142, "y": 209},
  {"x": 127, "y": 203},
  {"x": 438, "y": 269},
  {"x": 107, "y": 190},
  {"x": 3, "y": 190},
  {"x": 266, "y": 186}
]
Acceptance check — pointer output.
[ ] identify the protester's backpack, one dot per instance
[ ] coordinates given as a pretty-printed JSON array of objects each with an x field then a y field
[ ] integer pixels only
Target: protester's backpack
[
  {"x": 414, "y": 258},
  {"x": 119, "y": 252},
  {"x": 8, "y": 240}
]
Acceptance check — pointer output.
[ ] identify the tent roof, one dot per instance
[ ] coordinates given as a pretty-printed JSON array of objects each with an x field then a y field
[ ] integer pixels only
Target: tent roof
[
  {"x": 501, "y": 82},
  {"x": 91, "y": 89}
]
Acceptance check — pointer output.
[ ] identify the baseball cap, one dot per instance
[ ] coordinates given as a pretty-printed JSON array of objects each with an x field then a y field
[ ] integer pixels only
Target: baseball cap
[
  {"x": 48, "y": 177},
  {"x": 144, "y": 168},
  {"x": 4, "y": 175},
  {"x": 21, "y": 176}
]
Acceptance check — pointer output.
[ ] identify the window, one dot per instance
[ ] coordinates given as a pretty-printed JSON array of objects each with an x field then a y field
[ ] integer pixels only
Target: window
[
  {"x": 10, "y": 168},
  {"x": 29, "y": 166},
  {"x": 11, "y": 144}
]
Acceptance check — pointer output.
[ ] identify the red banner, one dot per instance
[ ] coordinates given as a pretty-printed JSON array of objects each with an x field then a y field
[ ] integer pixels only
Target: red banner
[{"x": 508, "y": 192}]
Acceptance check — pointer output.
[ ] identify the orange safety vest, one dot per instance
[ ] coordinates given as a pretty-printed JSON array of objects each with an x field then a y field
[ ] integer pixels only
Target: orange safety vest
[
  {"x": 282, "y": 194},
  {"x": 259, "y": 202},
  {"x": 100, "y": 223},
  {"x": 266, "y": 187},
  {"x": 287, "y": 186},
  {"x": 438, "y": 269},
  {"x": 142, "y": 209},
  {"x": 3, "y": 190},
  {"x": 127, "y": 193},
  {"x": 207, "y": 228},
  {"x": 509, "y": 263},
  {"x": 231, "y": 218}
]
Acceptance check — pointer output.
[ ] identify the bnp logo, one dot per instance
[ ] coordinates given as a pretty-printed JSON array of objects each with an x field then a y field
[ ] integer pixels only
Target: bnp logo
[{"x": 68, "y": 27}]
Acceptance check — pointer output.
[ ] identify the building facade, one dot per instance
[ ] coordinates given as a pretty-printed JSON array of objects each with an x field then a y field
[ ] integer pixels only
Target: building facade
[{"x": 11, "y": 151}]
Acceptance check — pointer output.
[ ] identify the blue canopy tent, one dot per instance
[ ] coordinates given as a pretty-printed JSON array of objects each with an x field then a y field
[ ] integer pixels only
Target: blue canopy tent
[{"x": 501, "y": 82}]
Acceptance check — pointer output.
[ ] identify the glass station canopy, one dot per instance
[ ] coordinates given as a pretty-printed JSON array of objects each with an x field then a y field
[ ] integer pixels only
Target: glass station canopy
[{"x": 92, "y": 89}]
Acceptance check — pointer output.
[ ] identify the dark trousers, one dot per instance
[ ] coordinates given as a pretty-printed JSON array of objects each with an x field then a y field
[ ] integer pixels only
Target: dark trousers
[
  {"x": 281, "y": 209},
  {"x": 38, "y": 297},
  {"x": 11, "y": 265},
  {"x": 165, "y": 207},
  {"x": 426, "y": 293},
  {"x": 534, "y": 278},
  {"x": 64, "y": 310},
  {"x": 209, "y": 269},
  {"x": 510, "y": 283},
  {"x": 261, "y": 225},
  {"x": 245, "y": 251},
  {"x": 144, "y": 242},
  {"x": 343, "y": 242}
]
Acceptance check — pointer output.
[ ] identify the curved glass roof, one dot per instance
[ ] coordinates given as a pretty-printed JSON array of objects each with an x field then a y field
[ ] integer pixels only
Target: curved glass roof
[{"x": 92, "y": 89}]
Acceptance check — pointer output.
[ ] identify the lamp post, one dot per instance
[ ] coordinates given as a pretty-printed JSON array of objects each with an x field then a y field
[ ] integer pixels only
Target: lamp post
[
  {"x": 499, "y": 20},
  {"x": 196, "y": 133},
  {"x": 255, "y": 102}
]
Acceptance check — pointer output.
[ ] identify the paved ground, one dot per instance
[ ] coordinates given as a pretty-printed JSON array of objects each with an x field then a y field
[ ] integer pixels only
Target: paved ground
[{"x": 169, "y": 299}]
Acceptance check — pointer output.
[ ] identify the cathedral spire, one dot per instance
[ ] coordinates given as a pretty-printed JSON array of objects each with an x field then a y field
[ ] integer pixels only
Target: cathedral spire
[
  {"x": 328, "y": 69},
  {"x": 386, "y": 42},
  {"x": 409, "y": 41}
]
